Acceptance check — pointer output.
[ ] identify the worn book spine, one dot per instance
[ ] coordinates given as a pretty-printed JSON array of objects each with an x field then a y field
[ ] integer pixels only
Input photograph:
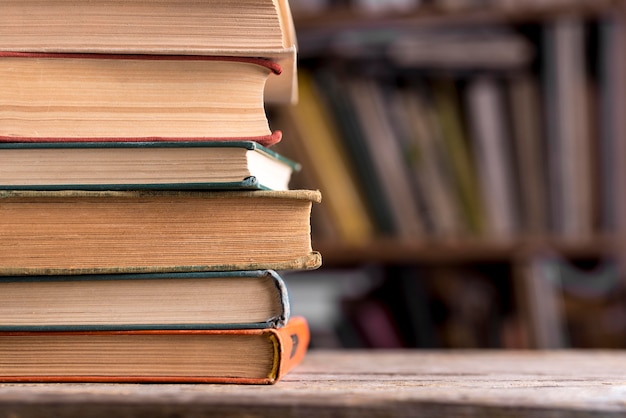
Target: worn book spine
[{"x": 291, "y": 344}]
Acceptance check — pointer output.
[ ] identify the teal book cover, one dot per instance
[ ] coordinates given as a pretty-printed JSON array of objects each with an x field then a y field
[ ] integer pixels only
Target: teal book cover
[{"x": 254, "y": 299}]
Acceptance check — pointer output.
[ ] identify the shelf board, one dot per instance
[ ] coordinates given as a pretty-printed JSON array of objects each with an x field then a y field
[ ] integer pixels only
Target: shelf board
[
  {"x": 389, "y": 251},
  {"x": 344, "y": 18}
]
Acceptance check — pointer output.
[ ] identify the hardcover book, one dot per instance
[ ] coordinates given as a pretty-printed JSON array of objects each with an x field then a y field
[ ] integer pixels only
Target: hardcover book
[
  {"x": 97, "y": 97},
  {"x": 129, "y": 165},
  {"x": 203, "y": 300},
  {"x": 92, "y": 232},
  {"x": 493, "y": 156},
  {"x": 245, "y": 356},
  {"x": 245, "y": 28}
]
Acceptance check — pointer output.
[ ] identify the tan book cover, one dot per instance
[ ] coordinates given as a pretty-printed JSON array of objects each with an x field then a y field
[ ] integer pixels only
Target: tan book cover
[{"x": 90, "y": 232}]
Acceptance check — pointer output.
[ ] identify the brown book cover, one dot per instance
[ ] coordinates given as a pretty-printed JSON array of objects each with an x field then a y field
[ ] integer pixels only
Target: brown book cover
[
  {"x": 85, "y": 232},
  {"x": 244, "y": 356}
]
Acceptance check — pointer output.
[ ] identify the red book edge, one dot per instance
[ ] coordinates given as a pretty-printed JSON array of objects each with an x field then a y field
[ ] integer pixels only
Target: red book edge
[
  {"x": 290, "y": 346},
  {"x": 265, "y": 140},
  {"x": 263, "y": 62}
]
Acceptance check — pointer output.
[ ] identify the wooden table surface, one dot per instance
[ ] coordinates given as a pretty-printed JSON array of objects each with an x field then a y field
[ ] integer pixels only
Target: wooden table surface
[{"x": 362, "y": 384}]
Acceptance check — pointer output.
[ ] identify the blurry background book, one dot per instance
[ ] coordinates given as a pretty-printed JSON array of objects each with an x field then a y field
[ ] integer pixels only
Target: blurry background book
[{"x": 482, "y": 144}]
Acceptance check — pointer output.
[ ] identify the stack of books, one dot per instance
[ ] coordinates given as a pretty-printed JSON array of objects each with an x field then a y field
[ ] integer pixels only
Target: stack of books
[{"x": 143, "y": 213}]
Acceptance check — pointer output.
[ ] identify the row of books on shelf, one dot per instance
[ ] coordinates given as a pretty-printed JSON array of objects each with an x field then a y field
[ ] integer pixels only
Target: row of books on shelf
[
  {"x": 145, "y": 218},
  {"x": 576, "y": 303},
  {"x": 432, "y": 152}
]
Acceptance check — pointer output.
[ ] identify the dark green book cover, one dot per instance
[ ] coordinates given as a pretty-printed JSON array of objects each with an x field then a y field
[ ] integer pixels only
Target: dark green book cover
[
  {"x": 211, "y": 165},
  {"x": 156, "y": 301}
]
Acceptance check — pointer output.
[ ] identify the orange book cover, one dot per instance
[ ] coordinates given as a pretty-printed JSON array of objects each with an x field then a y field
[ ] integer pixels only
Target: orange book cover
[{"x": 248, "y": 356}]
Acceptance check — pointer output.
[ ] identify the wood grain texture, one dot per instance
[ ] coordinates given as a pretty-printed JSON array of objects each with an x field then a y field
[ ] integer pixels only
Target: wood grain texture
[{"x": 366, "y": 384}]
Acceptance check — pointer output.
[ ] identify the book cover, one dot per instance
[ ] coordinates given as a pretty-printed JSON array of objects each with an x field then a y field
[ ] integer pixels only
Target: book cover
[
  {"x": 319, "y": 143},
  {"x": 368, "y": 100},
  {"x": 429, "y": 164},
  {"x": 570, "y": 145},
  {"x": 460, "y": 49},
  {"x": 201, "y": 300},
  {"x": 349, "y": 127},
  {"x": 246, "y": 28},
  {"x": 91, "y": 232},
  {"x": 115, "y": 97},
  {"x": 446, "y": 99},
  {"x": 492, "y": 152},
  {"x": 527, "y": 120},
  {"x": 132, "y": 165},
  {"x": 243, "y": 356}
]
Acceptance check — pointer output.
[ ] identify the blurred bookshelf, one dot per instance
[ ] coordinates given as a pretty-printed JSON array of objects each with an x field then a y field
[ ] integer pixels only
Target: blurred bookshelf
[
  {"x": 341, "y": 15},
  {"x": 388, "y": 250},
  {"x": 472, "y": 160}
]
